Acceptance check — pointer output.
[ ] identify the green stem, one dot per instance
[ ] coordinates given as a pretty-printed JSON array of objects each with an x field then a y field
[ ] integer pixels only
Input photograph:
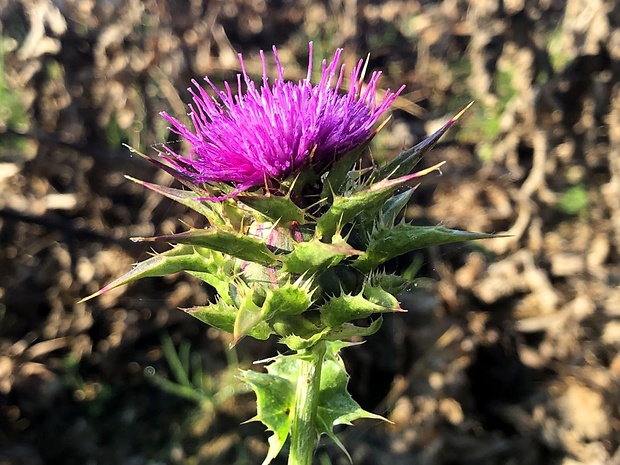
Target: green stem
[{"x": 303, "y": 429}]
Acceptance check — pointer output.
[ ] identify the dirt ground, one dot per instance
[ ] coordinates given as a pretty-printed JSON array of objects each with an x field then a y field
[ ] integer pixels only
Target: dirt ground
[{"x": 508, "y": 356}]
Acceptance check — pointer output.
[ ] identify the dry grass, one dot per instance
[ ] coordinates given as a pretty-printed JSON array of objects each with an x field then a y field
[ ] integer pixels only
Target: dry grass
[{"x": 510, "y": 357}]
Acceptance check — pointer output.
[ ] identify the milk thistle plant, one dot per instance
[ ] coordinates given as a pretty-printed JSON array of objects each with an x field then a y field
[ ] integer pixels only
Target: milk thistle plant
[{"x": 297, "y": 232}]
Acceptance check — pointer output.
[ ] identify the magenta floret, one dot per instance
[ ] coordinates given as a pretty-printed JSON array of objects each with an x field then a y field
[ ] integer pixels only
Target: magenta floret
[{"x": 267, "y": 133}]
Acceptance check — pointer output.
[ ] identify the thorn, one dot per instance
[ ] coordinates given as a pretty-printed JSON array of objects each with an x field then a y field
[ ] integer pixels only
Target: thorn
[
  {"x": 265, "y": 361},
  {"x": 137, "y": 181},
  {"x": 460, "y": 113},
  {"x": 382, "y": 125},
  {"x": 136, "y": 151},
  {"x": 426, "y": 171}
]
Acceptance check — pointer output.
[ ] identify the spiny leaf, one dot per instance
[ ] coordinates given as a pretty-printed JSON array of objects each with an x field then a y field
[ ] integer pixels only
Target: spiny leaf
[
  {"x": 394, "y": 205},
  {"x": 295, "y": 342},
  {"x": 298, "y": 325},
  {"x": 275, "y": 394},
  {"x": 369, "y": 200},
  {"x": 392, "y": 283},
  {"x": 283, "y": 301},
  {"x": 222, "y": 316},
  {"x": 387, "y": 243},
  {"x": 388, "y": 213},
  {"x": 188, "y": 198},
  {"x": 380, "y": 296},
  {"x": 277, "y": 208},
  {"x": 338, "y": 333},
  {"x": 275, "y": 398},
  {"x": 219, "y": 280},
  {"x": 289, "y": 299},
  {"x": 232, "y": 243},
  {"x": 336, "y": 406},
  {"x": 349, "y": 330},
  {"x": 180, "y": 258},
  {"x": 315, "y": 256},
  {"x": 408, "y": 159},
  {"x": 346, "y": 307},
  {"x": 248, "y": 316}
]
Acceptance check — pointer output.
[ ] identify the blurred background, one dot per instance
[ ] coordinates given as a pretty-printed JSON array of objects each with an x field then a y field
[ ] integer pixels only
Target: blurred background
[{"x": 508, "y": 356}]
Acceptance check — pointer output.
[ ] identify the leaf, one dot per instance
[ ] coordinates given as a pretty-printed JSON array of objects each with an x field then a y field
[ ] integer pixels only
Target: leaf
[
  {"x": 368, "y": 200},
  {"x": 349, "y": 330},
  {"x": 394, "y": 205},
  {"x": 392, "y": 283},
  {"x": 381, "y": 297},
  {"x": 408, "y": 159},
  {"x": 276, "y": 208},
  {"x": 180, "y": 258},
  {"x": 294, "y": 325},
  {"x": 275, "y": 394},
  {"x": 295, "y": 342},
  {"x": 338, "y": 333},
  {"x": 336, "y": 406},
  {"x": 315, "y": 256},
  {"x": 288, "y": 299},
  {"x": 219, "y": 281},
  {"x": 387, "y": 243},
  {"x": 222, "y": 316},
  {"x": 248, "y": 316},
  {"x": 347, "y": 307},
  {"x": 251, "y": 319},
  {"x": 275, "y": 399},
  {"x": 184, "y": 197},
  {"x": 232, "y": 243}
]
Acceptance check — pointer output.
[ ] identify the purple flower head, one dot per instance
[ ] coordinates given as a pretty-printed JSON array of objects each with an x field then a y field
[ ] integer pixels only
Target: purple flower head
[{"x": 268, "y": 132}]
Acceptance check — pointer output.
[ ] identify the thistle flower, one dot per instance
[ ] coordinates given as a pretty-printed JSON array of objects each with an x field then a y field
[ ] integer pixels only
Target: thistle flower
[
  {"x": 311, "y": 276},
  {"x": 264, "y": 134}
]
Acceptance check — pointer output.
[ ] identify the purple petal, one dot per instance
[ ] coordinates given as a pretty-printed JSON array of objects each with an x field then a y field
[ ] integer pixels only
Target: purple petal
[{"x": 270, "y": 132}]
